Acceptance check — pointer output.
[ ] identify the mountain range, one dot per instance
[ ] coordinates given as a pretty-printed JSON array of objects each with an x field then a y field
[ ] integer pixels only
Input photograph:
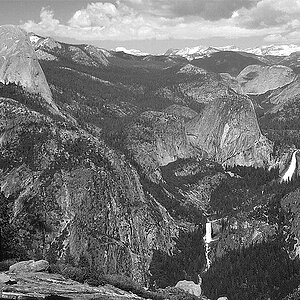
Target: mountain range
[
  {"x": 114, "y": 166},
  {"x": 201, "y": 51}
]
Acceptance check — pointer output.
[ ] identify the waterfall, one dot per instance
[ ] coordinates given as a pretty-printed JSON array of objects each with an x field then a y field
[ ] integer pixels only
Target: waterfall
[
  {"x": 207, "y": 240},
  {"x": 208, "y": 233},
  {"x": 290, "y": 171},
  {"x": 208, "y": 262}
]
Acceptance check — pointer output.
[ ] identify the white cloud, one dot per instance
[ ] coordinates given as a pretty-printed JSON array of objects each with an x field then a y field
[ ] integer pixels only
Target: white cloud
[
  {"x": 108, "y": 21},
  {"x": 47, "y": 24},
  {"x": 269, "y": 13},
  {"x": 97, "y": 14}
]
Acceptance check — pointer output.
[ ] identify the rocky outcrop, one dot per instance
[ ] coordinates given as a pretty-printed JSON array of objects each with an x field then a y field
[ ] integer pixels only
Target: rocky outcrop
[
  {"x": 99, "y": 55},
  {"x": 191, "y": 70},
  {"x": 43, "y": 285},
  {"x": 19, "y": 65},
  {"x": 256, "y": 79},
  {"x": 228, "y": 132},
  {"x": 156, "y": 139},
  {"x": 29, "y": 266}
]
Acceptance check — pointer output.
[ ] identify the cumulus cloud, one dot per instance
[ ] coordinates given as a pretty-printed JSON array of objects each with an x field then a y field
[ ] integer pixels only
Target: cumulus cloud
[
  {"x": 178, "y": 19},
  {"x": 97, "y": 21},
  {"x": 48, "y": 23},
  {"x": 269, "y": 13},
  {"x": 280, "y": 17},
  {"x": 98, "y": 14}
]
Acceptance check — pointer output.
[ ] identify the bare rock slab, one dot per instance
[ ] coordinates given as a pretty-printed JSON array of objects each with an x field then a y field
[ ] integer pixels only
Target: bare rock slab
[{"x": 29, "y": 266}]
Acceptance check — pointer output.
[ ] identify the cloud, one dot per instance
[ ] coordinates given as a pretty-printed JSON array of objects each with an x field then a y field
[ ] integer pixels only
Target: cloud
[
  {"x": 47, "y": 24},
  {"x": 177, "y": 19},
  {"x": 98, "y": 21},
  {"x": 281, "y": 18},
  {"x": 211, "y": 10},
  {"x": 269, "y": 13},
  {"x": 97, "y": 14}
]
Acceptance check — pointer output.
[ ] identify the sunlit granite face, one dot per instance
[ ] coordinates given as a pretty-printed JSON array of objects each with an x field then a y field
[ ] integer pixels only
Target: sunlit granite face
[{"x": 19, "y": 64}]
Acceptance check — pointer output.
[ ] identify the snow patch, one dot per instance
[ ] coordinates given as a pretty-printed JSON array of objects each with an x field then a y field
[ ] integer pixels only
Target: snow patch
[
  {"x": 131, "y": 51},
  {"x": 34, "y": 39},
  {"x": 204, "y": 51}
]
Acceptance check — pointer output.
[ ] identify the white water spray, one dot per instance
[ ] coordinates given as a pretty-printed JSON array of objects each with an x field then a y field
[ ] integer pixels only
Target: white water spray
[
  {"x": 291, "y": 170},
  {"x": 207, "y": 240}
]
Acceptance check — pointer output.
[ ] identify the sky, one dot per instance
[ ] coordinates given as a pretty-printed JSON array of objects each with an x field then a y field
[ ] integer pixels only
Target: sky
[{"x": 154, "y": 26}]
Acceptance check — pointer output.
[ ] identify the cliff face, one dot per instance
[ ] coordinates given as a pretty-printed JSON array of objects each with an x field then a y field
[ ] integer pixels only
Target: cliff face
[
  {"x": 228, "y": 132},
  {"x": 19, "y": 64},
  {"x": 88, "y": 201}
]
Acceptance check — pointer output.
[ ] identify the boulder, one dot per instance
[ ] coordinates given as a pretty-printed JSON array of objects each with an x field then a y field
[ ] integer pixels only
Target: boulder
[
  {"x": 223, "y": 298},
  {"x": 29, "y": 266},
  {"x": 190, "y": 287}
]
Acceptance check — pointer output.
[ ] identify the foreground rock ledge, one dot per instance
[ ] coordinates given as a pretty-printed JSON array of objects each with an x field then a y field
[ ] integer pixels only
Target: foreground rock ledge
[{"x": 43, "y": 285}]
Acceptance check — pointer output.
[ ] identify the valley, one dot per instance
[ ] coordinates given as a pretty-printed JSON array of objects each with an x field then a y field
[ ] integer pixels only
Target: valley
[{"x": 148, "y": 170}]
